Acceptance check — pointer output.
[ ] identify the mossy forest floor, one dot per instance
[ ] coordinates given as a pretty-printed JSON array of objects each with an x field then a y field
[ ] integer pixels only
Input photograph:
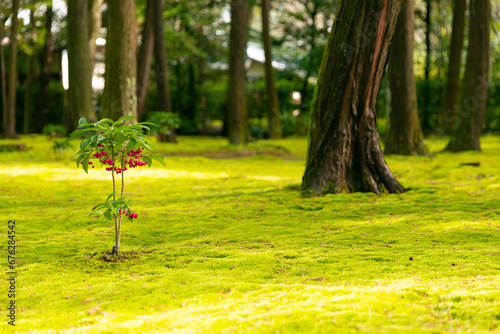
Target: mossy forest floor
[{"x": 225, "y": 243}]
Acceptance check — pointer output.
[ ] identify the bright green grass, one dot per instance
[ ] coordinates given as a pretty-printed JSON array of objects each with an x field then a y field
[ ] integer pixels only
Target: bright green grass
[{"x": 229, "y": 246}]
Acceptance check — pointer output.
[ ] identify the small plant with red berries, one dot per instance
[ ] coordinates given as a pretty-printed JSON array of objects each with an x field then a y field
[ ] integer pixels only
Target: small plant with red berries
[{"x": 119, "y": 146}]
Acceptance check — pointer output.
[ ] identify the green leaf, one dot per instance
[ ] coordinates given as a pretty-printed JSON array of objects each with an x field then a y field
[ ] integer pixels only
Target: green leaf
[
  {"x": 110, "y": 195},
  {"x": 82, "y": 121},
  {"x": 85, "y": 143},
  {"x": 158, "y": 158},
  {"x": 86, "y": 164},
  {"x": 148, "y": 160},
  {"x": 79, "y": 159}
]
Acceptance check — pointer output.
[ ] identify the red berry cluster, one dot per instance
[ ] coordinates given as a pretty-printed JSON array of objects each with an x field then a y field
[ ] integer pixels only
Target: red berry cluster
[
  {"x": 135, "y": 157},
  {"x": 128, "y": 214}
]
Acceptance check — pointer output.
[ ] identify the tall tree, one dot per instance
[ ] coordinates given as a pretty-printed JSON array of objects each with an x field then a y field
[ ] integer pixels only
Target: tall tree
[
  {"x": 5, "y": 107},
  {"x": 28, "y": 83},
  {"x": 344, "y": 153},
  {"x": 119, "y": 97},
  {"x": 238, "y": 129},
  {"x": 161, "y": 75},
  {"x": 45, "y": 63},
  {"x": 427, "y": 92},
  {"x": 453, "y": 80},
  {"x": 80, "y": 76},
  {"x": 12, "y": 84},
  {"x": 405, "y": 135},
  {"x": 275, "y": 126},
  {"x": 470, "y": 111},
  {"x": 145, "y": 57},
  {"x": 95, "y": 23}
]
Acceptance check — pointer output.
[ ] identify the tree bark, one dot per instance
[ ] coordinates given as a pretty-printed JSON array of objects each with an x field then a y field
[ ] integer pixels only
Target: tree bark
[
  {"x": 95, "y": 23},
  {"x": 80, "y": 78},
  {"x": 344, "y": 153},
  {"x": 470, "y": 111},
  {"x": 162, "y": 77},
  {"x": 405, "y": 135},
  {"x": 11, "y": 119},
  {"x": 28, "y": 84},
  {"x": 428, "y": 51},
  {"x": 275, "y": 126},
  {"x": 119, "y": 97},
  {"x": 45, "y": 62},
  {"x": 239, "y": 132},
  {"x": 4, "y": 84},
  {"x": 453, "y": 80},
  {"x": 145, "y": 58}
]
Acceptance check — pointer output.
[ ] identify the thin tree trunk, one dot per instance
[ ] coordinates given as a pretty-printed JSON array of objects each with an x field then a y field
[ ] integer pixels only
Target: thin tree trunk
[
  {"x": 162, "y": 77},
  {"x": 11, "y": 121},
  {"x": 344, "y": 153},
  {"x": 405, "y": 135},
  {"x": 28, "y": 95},
  {"x": 239, "y": 132},
  {"x": 45, "y": 62},
  {"x": 120, "y": 94},
  {"x": 95, "y": 23},
  {"x": 428, "y": 51},
  {"x": 470, "y": 111},
  {"x": 4, "y": 83},
  {"x": 452, "y": 93},
  {"x": 145, "y": 58},
  {"x": 275, "y": 126}
]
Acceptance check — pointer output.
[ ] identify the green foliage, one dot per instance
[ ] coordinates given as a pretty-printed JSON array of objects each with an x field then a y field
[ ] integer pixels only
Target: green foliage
[
  {"x": 165, "y": 122},
  {"x": 54, "y": 130}
]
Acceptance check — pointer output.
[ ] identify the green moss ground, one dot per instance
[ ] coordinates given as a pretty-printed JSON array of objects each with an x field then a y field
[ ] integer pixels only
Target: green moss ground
[{"x": 230, "y": 246}]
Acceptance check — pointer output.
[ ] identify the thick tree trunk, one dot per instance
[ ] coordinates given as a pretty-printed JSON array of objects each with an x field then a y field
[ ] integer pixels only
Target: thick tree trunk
[
  {"x": 470, "y": 111},
  {"x": 344, "y": 153},
  {"x": 45, "y": 62},
  {"x": 80, "y": 79},
  {"x": 145, "y": 58},
  {"x": 11, "y": 120},
  {"x": 162, "y": 77},
  {"x": 275, "y": 126},
  {"x": 4, "y": 83},
  {"x": 405, "y": 135},
  {"x": 453, "y": 81},
  {"x": 239, "y": 132},
  {"x": 119, "y": 98}
]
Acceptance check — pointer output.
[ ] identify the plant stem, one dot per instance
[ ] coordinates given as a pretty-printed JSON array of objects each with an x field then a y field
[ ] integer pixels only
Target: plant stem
[{"x": 117, "y": 229}]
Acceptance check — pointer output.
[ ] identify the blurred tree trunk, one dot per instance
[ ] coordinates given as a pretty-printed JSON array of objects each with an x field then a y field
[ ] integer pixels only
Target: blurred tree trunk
[
  {"x": 161, "y": 70},
  {"x": 4, "y": 83},
  {"x": 80, "y": 79},
  {"x": 119, "y": 97},
  {"x": 12, "y": 85},
  {"x": 239, "y": 132},
  {"x": 45, "y": 62},
  {"x": 304, "y": 92},
  {"x": 453, "y": 80},
  {"x": 405, "y": 135},
  {"x": 145, "y": 58},
  {"x": 95, "y": 23},
  {"x": 275, "y": 126},
  {"x": 28, "y": 84},
  {"x": 344, "y": 153},
  {"x": 428, "y": 51},
  {"x": 470, "y": 111}
]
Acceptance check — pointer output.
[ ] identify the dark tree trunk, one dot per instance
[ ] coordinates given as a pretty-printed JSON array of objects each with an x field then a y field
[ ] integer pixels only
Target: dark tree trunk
[
  {"x": 275, "y": 126},
  {"x": 470, "y": 111},
  {"x": 119, "y": 97},
  {"x": 11, "y": 119},
  {"x": 80, "y": 78},
  {"x": 428, "y": 51},
  {"x": 238, "y": 129},
  {"x": 344, "y": 153},
  {"x": 28, "y": 90},
  {"x": 162, "y": 77},
  {"x": 453, "y": 81},
  {"x": 4, "y": 83},
  {"x": 145, "y": 57},
  {"x": 45, "y": 62},
  {"x": 405, "y": 135}
]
